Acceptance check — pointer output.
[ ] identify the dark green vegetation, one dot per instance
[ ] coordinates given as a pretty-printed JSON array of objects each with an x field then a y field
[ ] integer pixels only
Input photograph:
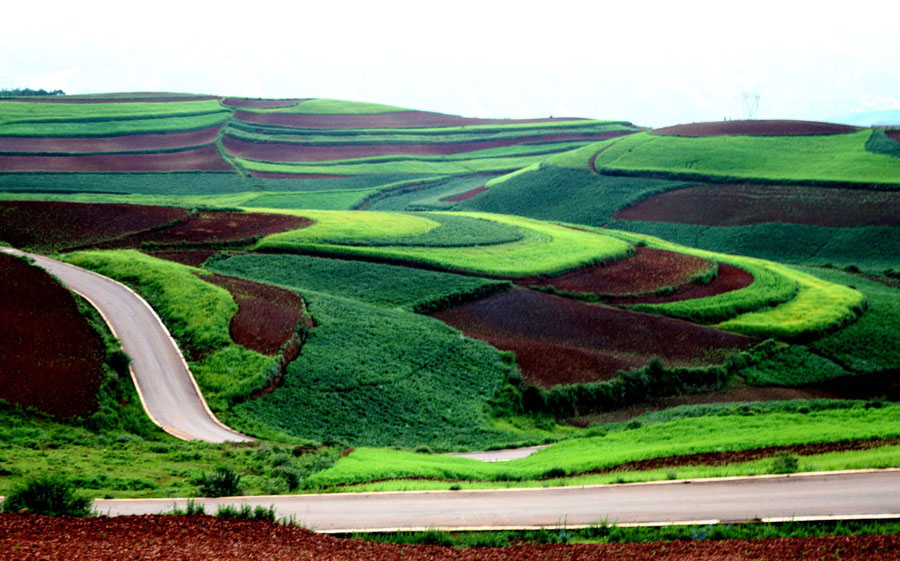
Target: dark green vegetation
[
  {"x": 52, "y": 495},
  {"x": 610, "y": 533},
  {"x": 28, "y": 92}
]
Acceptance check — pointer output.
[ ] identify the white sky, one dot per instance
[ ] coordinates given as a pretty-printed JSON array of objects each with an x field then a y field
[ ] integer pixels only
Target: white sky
[{"x": 653, "y": 63}]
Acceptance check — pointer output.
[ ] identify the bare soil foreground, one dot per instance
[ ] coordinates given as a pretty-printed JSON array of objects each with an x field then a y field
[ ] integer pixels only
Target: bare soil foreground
[
  {"x": 760, "y": 127},
  {"x": 207, "y": 158},
  {"x": 739, "y": 205},
  {"x": 398, "y": 119},
  {"x": 45, "y": 344},
  {"x": 563, "y": 341},
  {"x": 183, "y": 538},
  {"x": 297, "y": 152},
  {"x": 121, "y": 143}
]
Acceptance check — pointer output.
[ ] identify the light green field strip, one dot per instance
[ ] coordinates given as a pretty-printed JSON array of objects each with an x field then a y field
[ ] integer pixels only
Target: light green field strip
[
  {"x": 546, "y": 248},
  {"x": 17, "y": 111},
  {"x": 115, "y": 127},
  {"x": 837, "y": 157},
  {"x": 401, "y": 166},
  {"x": 580, "y": 455},
  {"x": 322, "y": 106},
  {"x": 811, "y": 306}
]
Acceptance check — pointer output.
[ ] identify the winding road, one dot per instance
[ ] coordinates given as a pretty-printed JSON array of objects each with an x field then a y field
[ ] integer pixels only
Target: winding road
[{"x": 167, "y": 389}]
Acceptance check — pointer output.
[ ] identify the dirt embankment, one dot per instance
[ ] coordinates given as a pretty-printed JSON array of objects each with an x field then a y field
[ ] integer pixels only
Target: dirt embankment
[
  {"x": 195, "y": 538},
  {"x": 761, "y": 127}
]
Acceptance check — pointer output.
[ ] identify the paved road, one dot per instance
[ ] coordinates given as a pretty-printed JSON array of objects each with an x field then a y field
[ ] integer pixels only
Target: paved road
[
  {"x": 817, "y": 496},
  {"x": 165, "y": 384},
  {"x": 504, "y": 455}
]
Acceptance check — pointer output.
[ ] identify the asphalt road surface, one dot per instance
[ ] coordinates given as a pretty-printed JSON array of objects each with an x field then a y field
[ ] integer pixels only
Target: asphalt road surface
[
  {"x": 165, "y": 384},
  {"x": 861, "y": 494}
]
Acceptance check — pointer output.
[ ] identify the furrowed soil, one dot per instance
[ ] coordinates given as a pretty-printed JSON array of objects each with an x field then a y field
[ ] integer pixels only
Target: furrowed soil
[
  {"x": 467, "y": 195},
  {"x": 563, "y": 341},
  {"x": 50, "y": 357},
  {"x": 212, "y": 227},
  {"x": 123, "y": 143},
  {"x": 59, "y": 225},
  {"x": 399, "y": 119},
  {"x": 739, "y": 205},
  {"x": 190, "y": 538},
  {"x": 296, "y": 152},
  {"x": 267, "y": 316},
  {"x": 206, "y": 158},
  {"x": 729, "y": 278},
  {"x": 648, "y": 270},
  {"x": 760, "y": 127}
]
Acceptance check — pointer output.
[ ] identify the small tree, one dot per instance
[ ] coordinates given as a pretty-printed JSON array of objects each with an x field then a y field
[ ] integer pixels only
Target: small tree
[
  {"x": 53, "y": 495},
  {"x": 223, "y": 482}
]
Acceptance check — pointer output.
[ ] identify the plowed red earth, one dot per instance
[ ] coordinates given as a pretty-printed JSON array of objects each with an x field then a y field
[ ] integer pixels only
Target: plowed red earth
[
  {"x": 125, "y": 143},
  {"x": 259, "y": 103},
  {"x": 894, "y": 134},
  {"x": 59, "y": 225},
  {"x": 215, "y": 227},
  {"x": 206, "y": 158},
  {"x": 136, "y": 99},
  {"x": 190, "y": 257},
  {"x": 738, "y": 205},
  {"x": 399, "y": 119},
  {"x": 50, "y": 358},
  {"x": 648, "y": 270},
  {"x": 267, "y": 316},
  {"x": 195, "y": 538},
  {"x": 467, "y": 195},
  {"x": 729, "y": 278},
  {"x": 562, "y": 341},
  {"x": 755, "y": 128},
  {"x": 295, "y": 152}
]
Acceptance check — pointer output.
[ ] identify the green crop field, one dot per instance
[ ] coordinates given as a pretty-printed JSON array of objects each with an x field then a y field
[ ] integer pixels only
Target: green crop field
[{"x": 28, "y": 112}]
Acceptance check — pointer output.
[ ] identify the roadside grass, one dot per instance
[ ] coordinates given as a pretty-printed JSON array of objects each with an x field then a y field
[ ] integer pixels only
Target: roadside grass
[
  {"x": 675, "y": 437},
  {"x": 198, "y": 315},
  {"x": 546, "y": 248},
  {"x": 841, "y": 158},
  {"x": 384, "y": 285}
]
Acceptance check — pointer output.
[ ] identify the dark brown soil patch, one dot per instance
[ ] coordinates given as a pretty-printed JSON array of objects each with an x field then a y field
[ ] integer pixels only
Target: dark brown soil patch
[
  {"x": 647, "y": 271},
  {"x": 895, "y": 134},
  {"x": 729, "y": 278},
  {"x": 561, "y": 341},
  {"x": 296, "y": 152},
  {"x": 50, "y": 358},
  {"x": 760, "y": 127},
  {"x": 206, "y": 158},
  {"x": 398, "y": 119},
  {"x": 739, "y": 205},
  {"x": 189, "y": 257},
  {"x": 267, "y": 317},
  {"x": 260, "y": 103},
  {"x": 213, "y": 227},
  {"x": 200, "y": 538},
  {"x": 59, "y": 225},
  {"x": 467, "y": 195},
  {"x": 124, "y": 143}
]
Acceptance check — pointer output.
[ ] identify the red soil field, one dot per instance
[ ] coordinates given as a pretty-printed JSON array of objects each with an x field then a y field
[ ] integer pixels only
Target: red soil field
[
  {"x": 471, "y": 194},
  {"x": 562, "y": 341},
  {"x": 738, "y": 205},
  {"x": 260, "y": 103},
  {"x": 647, "y": 271},
  {"x": 295, "y": 152},
  {"x": 267, "y": 316},
  {"x": 760, "y": 127},
  {"x": 214, "y": 227},
  {"x": 895, "y": 134},
  {"x": 190, "y": 257},
  {"x": 206, "y": 158},
  {"x": 59, "y": 225},
  {"x": 138, "y": 99},
  {"x": 50, "y": 358},
  {"x": 195, "y": 538},
  {"x": 399, "y": 119},
  {"x": 125, "y": 143},
  {"x": 729, "y": 278}
]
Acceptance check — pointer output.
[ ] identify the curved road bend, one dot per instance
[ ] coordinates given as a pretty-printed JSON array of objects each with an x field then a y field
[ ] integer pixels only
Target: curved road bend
[
  {"x": 860, "y": 494},
  {"x": 167, "y": 389}
]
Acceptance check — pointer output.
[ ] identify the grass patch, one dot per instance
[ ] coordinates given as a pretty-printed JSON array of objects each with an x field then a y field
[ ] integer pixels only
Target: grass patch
[{"x": 30, "y": 112}]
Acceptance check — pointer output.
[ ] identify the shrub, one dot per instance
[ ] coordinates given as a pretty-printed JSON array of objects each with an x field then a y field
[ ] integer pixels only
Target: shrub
[
  {"x": 53, "y": 495},
  {"x": 247, "y": 512},
  {"x": 223, "y": 482},
  {"x": 785, "y": 463}
]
